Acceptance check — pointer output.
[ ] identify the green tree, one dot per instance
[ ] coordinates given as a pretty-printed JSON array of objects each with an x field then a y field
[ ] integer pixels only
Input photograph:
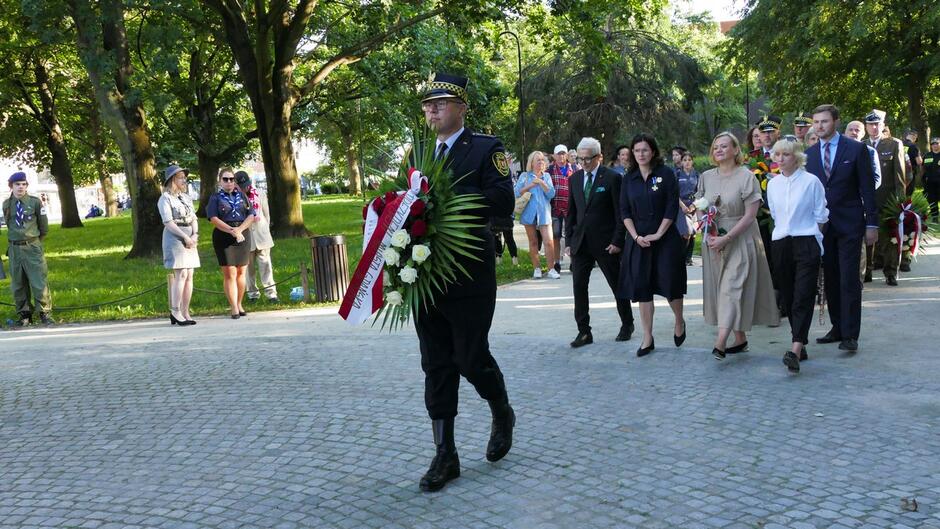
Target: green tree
[
  {"x": 881, "y": 53},
  {"x": 286, "y": 50},
  {"x": 36, "y": 81}
]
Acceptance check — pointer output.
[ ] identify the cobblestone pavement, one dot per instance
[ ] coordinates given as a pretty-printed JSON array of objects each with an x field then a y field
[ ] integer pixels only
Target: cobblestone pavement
[{"x": 294, "y": 419}]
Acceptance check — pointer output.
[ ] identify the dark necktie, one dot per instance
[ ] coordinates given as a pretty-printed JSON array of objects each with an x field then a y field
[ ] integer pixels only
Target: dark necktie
[
  {"x": 440, "y": 151},
  {"x": 20, "y": 214},
  {"x": 827, "y": 161},
  {"x": 587, "y": 185}
]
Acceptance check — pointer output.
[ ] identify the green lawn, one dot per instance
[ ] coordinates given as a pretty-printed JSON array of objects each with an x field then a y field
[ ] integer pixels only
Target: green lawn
[{"x": 87, "y": 266}]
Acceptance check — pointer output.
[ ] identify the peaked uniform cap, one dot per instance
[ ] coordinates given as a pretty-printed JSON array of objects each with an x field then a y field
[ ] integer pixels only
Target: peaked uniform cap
[
  {"x": 802, "y": 120},
  {"x": 875, "y": 116},
  {"x": 768, "y": 122},
  {"x": 446, "y": 86}
]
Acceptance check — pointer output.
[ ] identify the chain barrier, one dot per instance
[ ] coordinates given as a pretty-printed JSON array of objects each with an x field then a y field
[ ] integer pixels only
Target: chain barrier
[{"x": 141, "y": 293}]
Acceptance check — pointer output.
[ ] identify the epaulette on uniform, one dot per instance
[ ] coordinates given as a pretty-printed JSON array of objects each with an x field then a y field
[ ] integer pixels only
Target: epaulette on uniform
[{"x": 481, "y": 135}]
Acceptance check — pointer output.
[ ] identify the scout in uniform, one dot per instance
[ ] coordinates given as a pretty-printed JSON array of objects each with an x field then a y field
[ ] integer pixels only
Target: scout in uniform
[
  {"x": 893, "y": 182},
  {"x": 27, "y": 226},
  {"x": 453, "y": 333},
  {"x": 801, "y": 125}
]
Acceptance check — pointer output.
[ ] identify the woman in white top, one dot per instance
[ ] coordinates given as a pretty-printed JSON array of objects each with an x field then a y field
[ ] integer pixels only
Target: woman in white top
[
  {"x": 797, "y": 202},
  {"x": 180, "y": 237}
]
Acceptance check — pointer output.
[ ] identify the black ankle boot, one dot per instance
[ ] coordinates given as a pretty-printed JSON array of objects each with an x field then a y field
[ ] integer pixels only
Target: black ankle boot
[
  {"x": 504, "y": 418},
  {"x": 445, "y": 466}
]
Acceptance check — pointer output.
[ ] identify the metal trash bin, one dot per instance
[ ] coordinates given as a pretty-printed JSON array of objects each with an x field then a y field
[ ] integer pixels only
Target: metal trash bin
[{"x": 330, "y": 266}]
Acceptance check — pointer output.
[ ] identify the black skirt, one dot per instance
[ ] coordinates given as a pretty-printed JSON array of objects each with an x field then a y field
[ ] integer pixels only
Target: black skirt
[{"x": 229, "y": 252}]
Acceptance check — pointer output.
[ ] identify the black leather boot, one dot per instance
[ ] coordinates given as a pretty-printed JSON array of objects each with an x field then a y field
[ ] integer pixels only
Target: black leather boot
[
  {"x": 446, "y": 465},
  {"x": 504, "y": 418}
]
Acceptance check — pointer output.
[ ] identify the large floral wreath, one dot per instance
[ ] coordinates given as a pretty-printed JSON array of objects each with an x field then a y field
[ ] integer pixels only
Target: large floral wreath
[
  {"x": 413, "y": 235},
  {"x": 904, "y": 221},
  {"x": 763, "y": 170}
]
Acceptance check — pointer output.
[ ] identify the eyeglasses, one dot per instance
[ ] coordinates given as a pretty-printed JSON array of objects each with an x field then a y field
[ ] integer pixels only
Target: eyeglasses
[
  {"x": 588, "y": 159},
  {"x": 437, "y": 105},
  {"x": 228, "y": 178}
]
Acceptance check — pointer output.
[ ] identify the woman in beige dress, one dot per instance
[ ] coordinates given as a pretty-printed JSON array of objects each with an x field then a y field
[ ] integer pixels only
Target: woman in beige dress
[{"x": 738, "y": 292}]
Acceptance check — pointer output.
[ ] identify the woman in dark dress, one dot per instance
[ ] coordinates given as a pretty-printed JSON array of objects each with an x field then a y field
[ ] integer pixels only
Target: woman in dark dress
[
  {"x": 231, "y": 213},
  {"x": 654, "y": 255}
]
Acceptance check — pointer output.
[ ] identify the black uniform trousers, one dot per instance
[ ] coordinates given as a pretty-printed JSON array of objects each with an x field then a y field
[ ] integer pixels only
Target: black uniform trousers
[
  {"x": 582, "y": 263},
  {"x": 453, "y": 335},
  {"x": 796, "y": 262},
  {"x": 843, "y": 285}
]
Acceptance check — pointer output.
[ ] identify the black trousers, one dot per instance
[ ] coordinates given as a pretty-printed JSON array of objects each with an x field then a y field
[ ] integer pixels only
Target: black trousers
[
  {"x": 932, "y": 190},
  {"x": 582, "y": 263},
  {"x": 843, "y": 284},
  {"x": 454, "y": 339},
  {"x": 498, "y": 236},
  {"x": 796, "y": 263}
]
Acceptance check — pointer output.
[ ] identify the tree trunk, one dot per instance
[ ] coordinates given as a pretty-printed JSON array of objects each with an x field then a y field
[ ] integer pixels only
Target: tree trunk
[
  {"x": 352, "y": 163},
  {"x": 208, "y": 179},
  {"x": 109, "y": 69},
  {"x": 55, "y": 142},
  {"x": 101, "y": 165},
  {"x": 277, "y": 153},
  {"x": 915, "y": 89}
]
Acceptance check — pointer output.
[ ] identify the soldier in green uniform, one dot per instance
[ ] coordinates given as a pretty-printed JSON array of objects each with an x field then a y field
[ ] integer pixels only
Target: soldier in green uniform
[
  {"x": 25, "y": 217},
  {"x": 893, "y": 182}
]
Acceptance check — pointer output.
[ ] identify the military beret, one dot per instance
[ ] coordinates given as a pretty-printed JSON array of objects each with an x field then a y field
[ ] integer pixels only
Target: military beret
[
  {"x": 875, "y": 116},
  {"x": 768, "y": 123},
  {"x": 446, "y": 86},
  {"x": 18, "y": 176}
]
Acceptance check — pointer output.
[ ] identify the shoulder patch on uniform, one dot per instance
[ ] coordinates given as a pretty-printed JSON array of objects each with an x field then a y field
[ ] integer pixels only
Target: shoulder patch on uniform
[{"x": 501, "y": 163}]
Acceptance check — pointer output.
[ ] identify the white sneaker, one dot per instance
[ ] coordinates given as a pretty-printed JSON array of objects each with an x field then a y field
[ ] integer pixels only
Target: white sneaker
[
  {"x": 537, "y": 274},
  {"x": 552, "y": 274},
  {"x": 515, "y": 261}
]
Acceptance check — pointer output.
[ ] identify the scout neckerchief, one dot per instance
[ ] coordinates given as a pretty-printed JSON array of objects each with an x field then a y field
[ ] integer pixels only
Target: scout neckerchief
[
  {"x": 234, "y": 203},
  {"x": 20, "y": 214}
]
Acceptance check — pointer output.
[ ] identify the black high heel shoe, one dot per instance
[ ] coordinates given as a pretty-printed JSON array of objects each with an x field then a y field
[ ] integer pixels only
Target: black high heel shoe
[
  {"x": 174, "y": 321},
  {"x": 735, "y": 349},
  {"x": 188, "y": 322},
  {"x": 718, "y": 354},
  {"x": 643, "y": 351},
  {"x": 679, "y": 340}
]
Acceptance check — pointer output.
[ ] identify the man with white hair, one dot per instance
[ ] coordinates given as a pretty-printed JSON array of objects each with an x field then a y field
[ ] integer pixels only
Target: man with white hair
[{"x": 595, "y": 233}]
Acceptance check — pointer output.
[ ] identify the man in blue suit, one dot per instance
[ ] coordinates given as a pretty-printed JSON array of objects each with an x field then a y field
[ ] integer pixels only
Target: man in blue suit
[{"x": 844, "y": 167}]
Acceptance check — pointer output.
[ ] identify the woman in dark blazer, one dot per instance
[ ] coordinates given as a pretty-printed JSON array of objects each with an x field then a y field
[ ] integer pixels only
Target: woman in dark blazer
[{"x": 654, "y": 256}]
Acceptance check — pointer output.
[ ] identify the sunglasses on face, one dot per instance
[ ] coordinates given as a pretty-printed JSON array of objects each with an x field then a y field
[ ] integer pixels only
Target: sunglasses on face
[{"x": 228, "y": 178}]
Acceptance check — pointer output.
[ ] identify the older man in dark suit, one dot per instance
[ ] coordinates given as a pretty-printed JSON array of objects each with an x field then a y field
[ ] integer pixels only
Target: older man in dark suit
[
  {"x": 594, "y": 233},
  {"x": 845, "y": 169}
]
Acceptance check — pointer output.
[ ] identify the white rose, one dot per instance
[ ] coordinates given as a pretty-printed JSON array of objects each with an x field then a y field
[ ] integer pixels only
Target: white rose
[
  {"x": 386, "y": 278},
  {"x": 391, "y": 257},
  {"x": 393, "y": 298},
  {"x": 701, "y": 204},
  {"x": 408, "y": 274},
  {"x": 894, "y": 240},
  {"x": 420, "y": 253},
  {"x": 400, "y": 238}
]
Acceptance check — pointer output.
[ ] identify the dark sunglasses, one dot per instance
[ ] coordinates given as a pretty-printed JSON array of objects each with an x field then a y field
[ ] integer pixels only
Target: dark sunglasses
[{"x": 228, "y": 178}]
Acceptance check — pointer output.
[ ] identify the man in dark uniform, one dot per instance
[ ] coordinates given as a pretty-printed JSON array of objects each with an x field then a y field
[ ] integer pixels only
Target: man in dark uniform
[
  {"x": 932, "y": 177},
  {"x": 453, "y": 333},
  {"x": 801, "y": 125},
  {"x": 769, "y": 128},
  {"x": 891, "y": 158},
  {"x": 27, "y": 225}
]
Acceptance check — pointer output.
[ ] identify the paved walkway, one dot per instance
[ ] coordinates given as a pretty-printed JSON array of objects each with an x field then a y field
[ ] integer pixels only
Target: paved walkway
[{"x": 294, "y": 419}]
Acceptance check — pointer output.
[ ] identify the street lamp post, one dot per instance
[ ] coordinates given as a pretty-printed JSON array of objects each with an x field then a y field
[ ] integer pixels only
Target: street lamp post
[{"x": 521, "y": 155}]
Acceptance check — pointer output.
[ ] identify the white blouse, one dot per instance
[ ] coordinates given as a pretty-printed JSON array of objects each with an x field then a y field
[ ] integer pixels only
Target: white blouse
[{"x": 798, "y": 205}]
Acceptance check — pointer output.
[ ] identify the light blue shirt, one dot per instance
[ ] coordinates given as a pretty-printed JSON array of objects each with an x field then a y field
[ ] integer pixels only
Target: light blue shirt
[
  {"x": 823, "y": 145},
  {"x": 539, "y": 209}
]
